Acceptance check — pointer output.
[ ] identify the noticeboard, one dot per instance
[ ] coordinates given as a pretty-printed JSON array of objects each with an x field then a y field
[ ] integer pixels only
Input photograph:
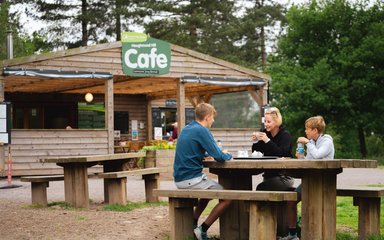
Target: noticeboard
[{"x": 5, "y": 123}]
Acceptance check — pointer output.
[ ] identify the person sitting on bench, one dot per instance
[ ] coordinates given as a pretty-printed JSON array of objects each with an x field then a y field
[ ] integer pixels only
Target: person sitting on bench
[{"x": 194, "y": 142}]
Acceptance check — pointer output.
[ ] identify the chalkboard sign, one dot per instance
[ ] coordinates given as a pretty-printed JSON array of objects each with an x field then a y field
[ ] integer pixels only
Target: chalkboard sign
[
  {"x": 91, "y": 115},
  {"x": 156, "y": 117}
]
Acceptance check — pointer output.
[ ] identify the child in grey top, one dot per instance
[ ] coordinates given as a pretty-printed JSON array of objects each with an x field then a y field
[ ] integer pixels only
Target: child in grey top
[{"x": 319, "y": 146}]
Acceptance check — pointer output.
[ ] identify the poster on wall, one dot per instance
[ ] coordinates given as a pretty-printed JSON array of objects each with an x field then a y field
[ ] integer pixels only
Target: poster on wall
[
  {"x": 135, "y": 133},
  {"x": 144, "y": 56},
  {"x": 158, "y": 133}
]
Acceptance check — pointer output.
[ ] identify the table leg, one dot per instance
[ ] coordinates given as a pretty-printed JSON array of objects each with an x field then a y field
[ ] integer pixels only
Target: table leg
[
  {"x": 234, "y": 223},
  {"x": 113, "y": 166},
  {"x": 319, "y": 205},
  {"x": 76, "y": 184}
]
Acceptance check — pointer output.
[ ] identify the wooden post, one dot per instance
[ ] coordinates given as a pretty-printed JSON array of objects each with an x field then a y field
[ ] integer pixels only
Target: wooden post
[
  {"x": 109, "y": 113},
  {"x": 2, "y": 88},
  {"x": 180, "y": 106},
  {"x": 181, "y": 218},
  {"x": 2, "y": 159},
  {"x": 262, "y": 220},
  {"x": 151, "y": 182},
  {"x": 149, "y": 119},
  {"x": 369, "y": 216}
]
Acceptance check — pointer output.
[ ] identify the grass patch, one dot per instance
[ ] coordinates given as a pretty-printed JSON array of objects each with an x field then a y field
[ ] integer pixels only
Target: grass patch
[
  {"x": 62, "y": 205},
  {"x": 131, "y": 206},
  {"x": 375, "y": 185},
  {"x": 347, "y": 219}
]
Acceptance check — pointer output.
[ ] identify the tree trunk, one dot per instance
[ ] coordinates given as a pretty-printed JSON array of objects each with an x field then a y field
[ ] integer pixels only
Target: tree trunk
[
  {"x": 363, "y": 146},
  {"x": 84, "y": 30},
  {"x": 118, "y": 20}
]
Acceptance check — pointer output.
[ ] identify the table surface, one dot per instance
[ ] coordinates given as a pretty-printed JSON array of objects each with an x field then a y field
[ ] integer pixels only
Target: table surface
[
  {"x": 92, "y": 158},
  {"x": 288, "y": 163}
]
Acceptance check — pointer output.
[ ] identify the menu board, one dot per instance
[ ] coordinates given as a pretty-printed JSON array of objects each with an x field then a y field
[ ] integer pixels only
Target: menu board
[
  {"x": 5, "y": 123},
  {"x": 91, "y": 115}
]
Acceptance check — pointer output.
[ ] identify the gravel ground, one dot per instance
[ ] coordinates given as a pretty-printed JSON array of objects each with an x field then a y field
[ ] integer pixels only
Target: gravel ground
[{"x": 20, "y": 221}]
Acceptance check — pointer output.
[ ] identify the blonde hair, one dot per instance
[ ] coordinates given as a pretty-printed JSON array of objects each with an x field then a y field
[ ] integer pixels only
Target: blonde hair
[
  {"x": 204, "y": 109},
  {"x": 316, "y": 122},
  {"x": 275, "y": 114}
]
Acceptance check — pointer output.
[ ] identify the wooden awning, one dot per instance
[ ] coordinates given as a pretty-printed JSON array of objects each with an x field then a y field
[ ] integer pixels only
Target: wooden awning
[{"x": 201, "y": 74}]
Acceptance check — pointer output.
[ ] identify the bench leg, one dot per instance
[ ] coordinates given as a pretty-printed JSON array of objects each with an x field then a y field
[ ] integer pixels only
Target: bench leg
[
  {"x": 369, "y": 217},
  {"x": 39, "y": 193},
  {"x": 151, "y": 182},
  {"x": 181, "y": 218},
  {"x": 117, "y": 191},
  {"x": 262, "y": 220},
  {"x": 76, "y": 184}
]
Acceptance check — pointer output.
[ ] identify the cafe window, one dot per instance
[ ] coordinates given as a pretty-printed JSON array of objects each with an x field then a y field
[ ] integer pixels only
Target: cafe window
[
  {"x": 165, "y": 117},
  {"x": 121, "y": 122},
  {"x": 27, "y": 118}
]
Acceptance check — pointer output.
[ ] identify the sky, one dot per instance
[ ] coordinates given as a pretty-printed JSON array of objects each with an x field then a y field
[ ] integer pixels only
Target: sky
[{"x": 30, "y": 26}]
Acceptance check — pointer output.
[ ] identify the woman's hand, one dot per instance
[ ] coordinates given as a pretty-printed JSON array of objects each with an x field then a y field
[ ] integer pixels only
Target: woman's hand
[{"x": 263, "y": 137}]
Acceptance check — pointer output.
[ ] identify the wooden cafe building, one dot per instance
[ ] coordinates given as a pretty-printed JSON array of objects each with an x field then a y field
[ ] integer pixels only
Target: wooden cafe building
[{"x": 132, "y": 87}]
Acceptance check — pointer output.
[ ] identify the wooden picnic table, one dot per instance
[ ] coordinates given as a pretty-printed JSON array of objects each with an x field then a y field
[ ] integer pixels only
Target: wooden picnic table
[
  {"x": 76, "y": 175},
  {"x": 319, "y": 179}
]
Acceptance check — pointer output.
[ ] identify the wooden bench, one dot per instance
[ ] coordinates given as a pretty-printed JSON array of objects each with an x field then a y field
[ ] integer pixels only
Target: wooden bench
[
  {"x": 368, "y": 201},
  {"x": 262, "y": 209},
  {"x": 39, "y": 186},
  {"x": 117, "y": 181}
]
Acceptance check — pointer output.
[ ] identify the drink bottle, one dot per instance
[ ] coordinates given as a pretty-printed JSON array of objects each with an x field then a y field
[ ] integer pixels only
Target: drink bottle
[
  {"x": 300, "y": 150},
  {"x": 219, "y": 144}
]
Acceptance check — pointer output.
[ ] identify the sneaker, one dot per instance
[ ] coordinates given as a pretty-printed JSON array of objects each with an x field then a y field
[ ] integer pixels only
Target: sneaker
[
  {"x": 200, "y": 235},
  {"x": 290, "y": 237}
]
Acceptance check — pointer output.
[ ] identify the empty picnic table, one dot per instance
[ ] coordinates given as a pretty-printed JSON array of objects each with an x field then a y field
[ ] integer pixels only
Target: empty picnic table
[{"x": 76, "y": 176}]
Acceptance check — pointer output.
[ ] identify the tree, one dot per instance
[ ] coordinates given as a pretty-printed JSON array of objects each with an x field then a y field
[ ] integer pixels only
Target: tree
[
  {"x": 77, "y": 23},
  {"x": 259, "y": 29},
  {"x": 330, "y": 63},
  {"x": 209, "y": 27},
  {"x": 23, "y": 45}
]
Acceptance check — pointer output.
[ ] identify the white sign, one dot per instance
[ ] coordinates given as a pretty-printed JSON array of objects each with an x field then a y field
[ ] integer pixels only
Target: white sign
[
  {"x": 3, "y": 111},
  {"x": 3, "y": 125},
  {"x": 4, "y": 137},
  {"x": 116, "y": 134},
  {"x": 135, "y": 133},
  {"x": 158, "y": 133}
]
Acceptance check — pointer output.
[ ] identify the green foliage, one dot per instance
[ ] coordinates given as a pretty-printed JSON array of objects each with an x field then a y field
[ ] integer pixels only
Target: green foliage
[
  {"x": 132, "y": 205},
  {"x": 160, "y": 145},
  {"x": 329, "y": 64}
]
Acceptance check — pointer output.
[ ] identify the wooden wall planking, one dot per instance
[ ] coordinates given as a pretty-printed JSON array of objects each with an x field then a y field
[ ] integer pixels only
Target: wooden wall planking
[{"x": 29, "y": 145}]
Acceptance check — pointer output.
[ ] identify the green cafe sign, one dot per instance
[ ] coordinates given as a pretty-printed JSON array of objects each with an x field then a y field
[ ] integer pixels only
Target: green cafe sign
[{"x": 143, "y": 56}]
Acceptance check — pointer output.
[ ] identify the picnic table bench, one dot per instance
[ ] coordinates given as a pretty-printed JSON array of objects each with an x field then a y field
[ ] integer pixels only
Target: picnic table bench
[
  {"x": 262, "y": 209},
  {"x": 116, "y": 181},
  {"x": 39, "y": 185},
  {"x": 368, "y": 201}
]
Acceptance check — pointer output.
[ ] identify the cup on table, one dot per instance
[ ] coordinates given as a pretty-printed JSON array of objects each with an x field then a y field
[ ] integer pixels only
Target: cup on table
[{"x": 242, "y": 153}]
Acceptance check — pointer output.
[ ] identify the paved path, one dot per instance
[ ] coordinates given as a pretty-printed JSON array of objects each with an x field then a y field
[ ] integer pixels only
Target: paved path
[{"x": 136, "y": 193}]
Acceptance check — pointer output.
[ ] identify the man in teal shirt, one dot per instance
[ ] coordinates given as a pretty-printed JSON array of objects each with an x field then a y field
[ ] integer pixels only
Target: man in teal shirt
[{"x": 194, "y": 143}]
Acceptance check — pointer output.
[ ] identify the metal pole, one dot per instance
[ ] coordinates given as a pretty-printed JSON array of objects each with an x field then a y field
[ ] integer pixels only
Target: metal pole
[{"x": 9, "y": 44}]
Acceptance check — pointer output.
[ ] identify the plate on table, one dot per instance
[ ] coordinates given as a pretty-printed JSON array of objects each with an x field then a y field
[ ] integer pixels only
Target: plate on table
[{"x": 255, "y": 158}]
